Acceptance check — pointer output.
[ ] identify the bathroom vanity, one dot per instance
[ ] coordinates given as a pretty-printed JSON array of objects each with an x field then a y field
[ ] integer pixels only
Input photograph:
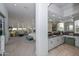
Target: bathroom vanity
[
  {"x": 55, "y": 41},
  {"x": 76, "y": 39}
]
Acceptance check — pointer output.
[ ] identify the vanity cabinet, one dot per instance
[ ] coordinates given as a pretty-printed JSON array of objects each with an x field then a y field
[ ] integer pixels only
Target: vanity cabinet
[
  {"x": 77, "y": 42},
  {"x": 55, "y": 41},
  {"x": 69, "y": 40},
  {"x": 52, "y": 43},
  {"x": 60, "y": 40},
  {"x": 72, "y": 40}
]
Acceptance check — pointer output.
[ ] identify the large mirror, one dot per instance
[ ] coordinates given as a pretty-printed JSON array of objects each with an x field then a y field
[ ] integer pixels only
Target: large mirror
[
  {"x": 60, "y": 27},
  {"x": 76, "y": 23},
  {"x": 68, "y": 27}
]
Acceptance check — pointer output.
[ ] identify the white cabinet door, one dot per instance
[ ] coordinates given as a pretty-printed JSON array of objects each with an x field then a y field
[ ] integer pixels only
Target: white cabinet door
[
  {"x": 56, "y": 41},
  {"x": 61, "y": 41},
  {"x": 52, "y": 43},
  {"x": 49, "y": 45},
  {"x": 77, "y": 42}
]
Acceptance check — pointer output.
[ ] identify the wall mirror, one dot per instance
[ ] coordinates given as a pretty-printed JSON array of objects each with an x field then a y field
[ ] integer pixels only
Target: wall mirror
[
  {"x": 68, "y": 26},
  {"x": 76, "y": 23}
]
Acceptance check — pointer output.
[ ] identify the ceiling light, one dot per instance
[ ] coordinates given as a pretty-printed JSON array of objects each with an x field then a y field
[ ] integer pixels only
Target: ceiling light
[
  {"x": 14, "y": 4},
  {"x": 53, "y": 15},
  {"x": 25, "y": 7},
  {"x": 50, "y": 20}
]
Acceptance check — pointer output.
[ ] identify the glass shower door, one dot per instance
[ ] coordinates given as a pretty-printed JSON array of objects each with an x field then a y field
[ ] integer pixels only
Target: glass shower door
[{"x": 2, "y": 35}]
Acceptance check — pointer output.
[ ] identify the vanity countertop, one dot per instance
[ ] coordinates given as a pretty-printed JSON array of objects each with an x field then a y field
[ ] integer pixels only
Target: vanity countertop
[
  {"x": 54, "y": 36},
  {"x": 70, "y": 36}
]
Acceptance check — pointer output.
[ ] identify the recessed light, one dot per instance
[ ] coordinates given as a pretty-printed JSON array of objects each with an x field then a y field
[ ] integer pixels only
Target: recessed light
[
  {"x": 25, "y": 7},
  {"x": 14, "y": 4},
  {"x": 53, "y": 15}
]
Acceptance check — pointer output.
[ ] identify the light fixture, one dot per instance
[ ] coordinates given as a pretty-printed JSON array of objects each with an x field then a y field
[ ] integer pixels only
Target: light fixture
[
  {"x": 53, "y": 15},
  {"x": 49, "y": 4},
  {"x": 14, "y": 4},
  {"x": 25, "y": 7},
  {"x": 50, "y": 20}
]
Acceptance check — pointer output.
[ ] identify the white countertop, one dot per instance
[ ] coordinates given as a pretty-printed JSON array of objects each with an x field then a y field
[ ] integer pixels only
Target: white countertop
[{"x": 70, "y": 36}]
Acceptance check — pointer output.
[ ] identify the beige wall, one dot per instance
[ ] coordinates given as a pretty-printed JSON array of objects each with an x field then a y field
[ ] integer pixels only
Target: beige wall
[
  {"x": 23, "y": 22},
  {"x": 49, "y": 26},
  {"x": 27, "y": 22}
]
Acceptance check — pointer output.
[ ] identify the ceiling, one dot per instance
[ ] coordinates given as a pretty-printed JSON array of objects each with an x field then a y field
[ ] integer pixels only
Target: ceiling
[
  {"x": 21, "y": 13},
  {"x": 64, "y": 11},
  {"x": 23, "y": 10},
  {"x": 61, "y": 5},
  {"x": 56, "y": 11}
]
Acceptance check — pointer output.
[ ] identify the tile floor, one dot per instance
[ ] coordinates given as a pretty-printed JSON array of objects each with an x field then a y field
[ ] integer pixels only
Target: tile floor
[
  {"x": 64, "y": 50},
  {"x": 20, "y": 46}
]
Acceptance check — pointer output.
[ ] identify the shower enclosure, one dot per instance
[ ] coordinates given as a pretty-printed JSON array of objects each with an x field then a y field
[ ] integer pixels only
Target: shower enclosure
[{"x": 2, "y": 35}]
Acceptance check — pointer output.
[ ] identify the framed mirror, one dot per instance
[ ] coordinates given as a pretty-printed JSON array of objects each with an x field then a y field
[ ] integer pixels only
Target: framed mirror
[{"x": 76, "y": 23}]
